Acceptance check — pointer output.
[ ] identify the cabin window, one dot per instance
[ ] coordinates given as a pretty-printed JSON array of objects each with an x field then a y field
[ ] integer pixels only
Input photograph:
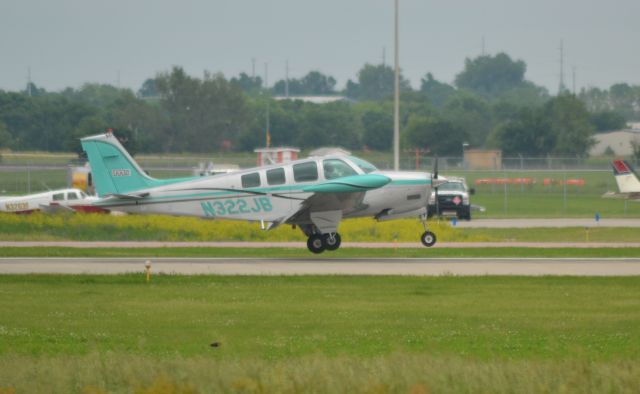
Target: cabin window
[
  {"x": 336, "y": 168},
  {"x": 72, "y": 196},
  {"x": 305, "y": 172},
  {"x": 58, "y": 197},
  {"x": 276, "y": 176},
  {"x": 83, "y": 195},
  {"x": 251, "y": 180}
]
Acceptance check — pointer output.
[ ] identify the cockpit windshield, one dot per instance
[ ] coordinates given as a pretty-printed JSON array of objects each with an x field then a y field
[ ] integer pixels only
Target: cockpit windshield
[{"x": 363, "y": 164}]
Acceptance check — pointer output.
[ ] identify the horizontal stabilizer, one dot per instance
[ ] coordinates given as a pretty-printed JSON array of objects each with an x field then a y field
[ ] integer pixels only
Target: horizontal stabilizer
[{"x": 129, "y": 196}]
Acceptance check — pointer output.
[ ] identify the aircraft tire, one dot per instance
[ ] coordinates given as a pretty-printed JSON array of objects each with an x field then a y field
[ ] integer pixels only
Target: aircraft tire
[
  {"x": 316, "y": 244},
  {"x": 332, "y": 245},
  {"x": 428, "y": 239}
]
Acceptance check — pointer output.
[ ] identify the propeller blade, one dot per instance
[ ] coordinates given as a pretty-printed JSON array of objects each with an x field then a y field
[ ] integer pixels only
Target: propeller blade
[
  {"x": 435, "y": 192},
  {"x": 435, "y": 169}
]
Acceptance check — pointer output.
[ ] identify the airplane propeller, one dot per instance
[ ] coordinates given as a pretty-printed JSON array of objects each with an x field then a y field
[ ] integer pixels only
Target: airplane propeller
[{"x": 435, "y": 184}]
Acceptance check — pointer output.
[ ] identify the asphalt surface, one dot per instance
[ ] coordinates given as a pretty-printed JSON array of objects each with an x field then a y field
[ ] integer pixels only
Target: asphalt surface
[{"x": 316, "y": 266}]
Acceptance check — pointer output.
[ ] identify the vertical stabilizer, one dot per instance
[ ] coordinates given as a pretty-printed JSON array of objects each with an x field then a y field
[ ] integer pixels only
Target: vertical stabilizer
[
  {"x": 626, "y": 177},
  {"x": 114, "y": 171}
]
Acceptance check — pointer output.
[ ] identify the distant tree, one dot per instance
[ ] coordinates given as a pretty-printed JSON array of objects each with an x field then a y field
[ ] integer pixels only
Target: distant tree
[
  {"x": 314, "y": 83},
  {"x": 375, "y": 83},
  {"x": 635, "y": 148},
  {"x": 472, "y": 114},
  {"x": 34, "y": 91},
  {"x": 148, "y": 88},
  {"x": 329, "y": 124},
  {"x": 437, "y": 92},
  {"x": 377, "y": 125},
  {"x": 571, "y": 125},
  {"x": 491, "y": 76},
  {"x": 87, "y": 126},
  {"x": 247, "y": 83},
  {"x": 440, "y": 136},
  {"x": 526, "y": 94},
  {"x": 607, "y": 121},
  {"x": 530, "y": 134},
  {"x": 625, "y": 100},
  {"x": 284, "y": 124},
  {"x": 205, "y": 114},
  {"x": 148, "y": 124},
  {"x": 95, "y": 94},
  {"x": 6, "y": 139},
  {"x": 595, "y": 99}
]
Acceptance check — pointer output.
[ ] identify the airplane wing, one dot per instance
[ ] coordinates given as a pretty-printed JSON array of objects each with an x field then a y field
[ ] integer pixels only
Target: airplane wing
[{"x": 331, "y": 199}]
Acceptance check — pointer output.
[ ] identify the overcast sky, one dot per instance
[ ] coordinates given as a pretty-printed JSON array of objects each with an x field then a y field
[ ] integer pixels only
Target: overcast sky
[{"x": 70, "y": 42}]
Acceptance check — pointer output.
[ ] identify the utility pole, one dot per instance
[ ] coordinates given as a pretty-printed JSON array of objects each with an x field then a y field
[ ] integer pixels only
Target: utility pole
[
  {"x": 573, "y": 78},
  {"x": 483, "y": 52},
  {"x": 253, "y": 68},
  {"x": 561, "y": 87},
  {"x": 384, "y": 56},
  {"x": 396, "y": 106},
  {"x": 29, "y": 81},
  {"x": 266, "y": 86},
  {"x": 286, "y": 78}
]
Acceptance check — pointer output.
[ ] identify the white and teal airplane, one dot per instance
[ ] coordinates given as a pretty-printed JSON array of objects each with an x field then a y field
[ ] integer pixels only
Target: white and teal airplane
[{"x": 314, "y": 194}]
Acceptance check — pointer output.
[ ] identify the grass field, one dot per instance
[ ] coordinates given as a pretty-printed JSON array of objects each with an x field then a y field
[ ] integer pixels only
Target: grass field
[
  {"x": 319, "y": 334},
  {"x": 166, "y": 228}
]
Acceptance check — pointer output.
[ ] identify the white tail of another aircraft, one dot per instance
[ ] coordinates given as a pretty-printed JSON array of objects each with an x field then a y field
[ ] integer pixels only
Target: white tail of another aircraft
[{"x": 626, "y": 177}]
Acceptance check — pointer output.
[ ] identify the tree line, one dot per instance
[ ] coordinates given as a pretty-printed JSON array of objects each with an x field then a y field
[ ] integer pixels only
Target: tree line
[{"x": 490, "y": 105}]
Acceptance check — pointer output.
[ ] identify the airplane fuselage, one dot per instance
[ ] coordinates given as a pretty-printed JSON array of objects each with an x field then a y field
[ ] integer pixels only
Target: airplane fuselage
[{"x": 272, "y": 198}]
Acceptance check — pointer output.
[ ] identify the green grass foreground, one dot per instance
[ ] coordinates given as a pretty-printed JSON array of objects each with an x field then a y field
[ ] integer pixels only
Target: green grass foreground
[
  {"x": 96, "y": 334},
  {"x": 344, "y": 252}
]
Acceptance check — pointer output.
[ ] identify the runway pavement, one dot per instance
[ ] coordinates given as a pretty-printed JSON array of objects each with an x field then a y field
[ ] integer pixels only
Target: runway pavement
[{"x": 318, "y": 266}]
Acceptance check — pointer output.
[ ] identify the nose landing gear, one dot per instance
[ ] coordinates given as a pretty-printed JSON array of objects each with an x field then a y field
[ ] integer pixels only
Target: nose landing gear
[
  {"x": 427, "y": 238},
  {"x": 317, "y": 243}
]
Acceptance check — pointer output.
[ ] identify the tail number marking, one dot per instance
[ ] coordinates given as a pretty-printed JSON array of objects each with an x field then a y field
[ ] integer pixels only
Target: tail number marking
[
  {"x": 124, "y": 172},
  {"x": 236, "y": 206}
]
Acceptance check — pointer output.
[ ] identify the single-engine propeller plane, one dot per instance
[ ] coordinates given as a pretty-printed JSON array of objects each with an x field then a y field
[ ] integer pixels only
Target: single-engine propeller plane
[
  {"x": 63, "y": 200},
  {"x": 314, "y": 194}
]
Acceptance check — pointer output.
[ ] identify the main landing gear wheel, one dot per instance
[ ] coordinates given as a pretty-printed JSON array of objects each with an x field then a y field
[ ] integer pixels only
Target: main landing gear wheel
[
  {"x": 428, "y": 239},
  {"x": 315, "y": 243},
  {"x": 332, "y": 242}
]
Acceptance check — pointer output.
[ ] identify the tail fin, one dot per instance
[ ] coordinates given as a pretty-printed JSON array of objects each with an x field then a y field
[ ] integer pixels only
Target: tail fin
[
  {"x": 114, "y": 171},
  {"x": 626, "y": 177}
]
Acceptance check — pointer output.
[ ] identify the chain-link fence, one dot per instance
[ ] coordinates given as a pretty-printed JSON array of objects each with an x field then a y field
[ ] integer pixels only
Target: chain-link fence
[{"x": 520, "y": 187}]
